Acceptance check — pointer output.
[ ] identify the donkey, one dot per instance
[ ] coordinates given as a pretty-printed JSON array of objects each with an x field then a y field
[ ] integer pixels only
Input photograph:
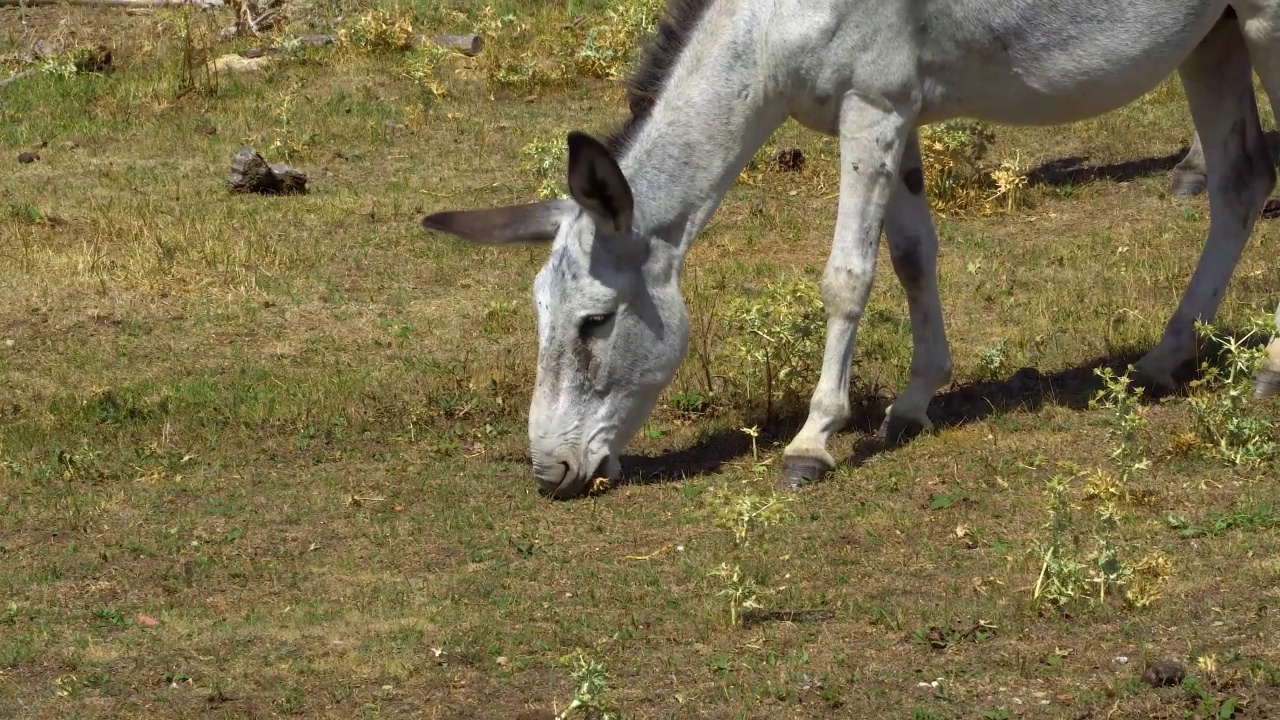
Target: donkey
[{"x": 722, "y": 75}]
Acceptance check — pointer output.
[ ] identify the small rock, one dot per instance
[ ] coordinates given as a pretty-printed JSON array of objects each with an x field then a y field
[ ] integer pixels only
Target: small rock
[
  {"x": 1163, "y": 672},
  {"x": 26, "y": 158},
  {"x": 44, "y": 49},
  {"x": 250, "y": 172},
  {"x": 787, "y": 159}
]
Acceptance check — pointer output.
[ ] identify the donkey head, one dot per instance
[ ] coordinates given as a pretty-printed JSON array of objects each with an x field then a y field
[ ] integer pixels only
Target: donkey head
[{"x": 612, "y": 325}]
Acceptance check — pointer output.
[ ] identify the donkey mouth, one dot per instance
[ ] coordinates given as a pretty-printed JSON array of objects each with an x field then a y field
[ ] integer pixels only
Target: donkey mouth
[{"x": 570, "y": 484}]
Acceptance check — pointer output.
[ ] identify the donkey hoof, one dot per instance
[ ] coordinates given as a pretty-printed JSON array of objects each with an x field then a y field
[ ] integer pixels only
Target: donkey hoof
[
  {"x": 1152, "y": 383},
  {"x": 1266, "y": 384},
  {"x": 1188, "y": 184},
  {"x": 801, "y": 470},
  {"x": 898, "y": 430}
]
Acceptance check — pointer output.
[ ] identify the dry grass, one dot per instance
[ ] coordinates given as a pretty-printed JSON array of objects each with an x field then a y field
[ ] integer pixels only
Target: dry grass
[{"x": 265, "y": 456}]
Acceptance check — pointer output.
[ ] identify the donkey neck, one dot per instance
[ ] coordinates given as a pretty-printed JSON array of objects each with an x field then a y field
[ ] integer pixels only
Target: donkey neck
[{"x": 713, "y": 112}]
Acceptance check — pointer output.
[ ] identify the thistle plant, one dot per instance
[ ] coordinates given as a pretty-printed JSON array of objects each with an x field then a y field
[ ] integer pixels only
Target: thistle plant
[
  {"x": 1225, "y": 420},
  {"x": 741, "y": 515},
  {"x": 590, "y": 676}
]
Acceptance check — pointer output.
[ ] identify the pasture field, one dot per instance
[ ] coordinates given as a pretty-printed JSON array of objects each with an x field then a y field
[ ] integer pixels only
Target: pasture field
[{"x": 266, "y": 456}]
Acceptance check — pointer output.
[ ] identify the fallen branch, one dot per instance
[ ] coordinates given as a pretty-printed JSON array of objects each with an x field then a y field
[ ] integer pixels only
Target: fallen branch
[
  {"x": 469, "y": 45},
  {"x": 201, "y": 4},
  {"x": 16, "y": 77},
  {"x": 254, "y": 17}
]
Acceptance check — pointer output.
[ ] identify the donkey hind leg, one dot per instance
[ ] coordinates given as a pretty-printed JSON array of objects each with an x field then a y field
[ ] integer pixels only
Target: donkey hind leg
[
  {"x": 871, "y": 147},
  {"x": 1268, "y": 380},
  {"x": 1189, "y": 177},
  {"x": 913, "y": 247},
  {"x": 1219, "y": 86}
]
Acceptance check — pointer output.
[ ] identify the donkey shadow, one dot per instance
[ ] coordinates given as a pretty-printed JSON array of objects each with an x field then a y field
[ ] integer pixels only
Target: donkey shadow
[
  {"x": 1073, "y": 170},
  {"x": 1024, "y": 390}
]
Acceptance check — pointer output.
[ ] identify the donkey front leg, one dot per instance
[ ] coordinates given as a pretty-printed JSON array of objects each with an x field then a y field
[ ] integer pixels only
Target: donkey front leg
[
  {"x": 1218, "y": 81},
  {"x": 871, "y": 143}
]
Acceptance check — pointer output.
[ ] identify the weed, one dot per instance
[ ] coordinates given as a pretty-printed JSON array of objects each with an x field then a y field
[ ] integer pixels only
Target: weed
[
  {"x": 545, "y": 160},
  {"x": 992, "y": 361},
  {"x": 591, "y": 676},
  {"x": 1062, "y": 577},
  {"x": 1124, "y": 423},
  {"x": 739, "y": 514},
  {"x": 72, "y": 61},
  {"x": 1256, "y": 518},
  {"x": 956, "y": 180},
  {"x": 500, "y": 317},
  {"x": 741, "y": 591},
  {"x": 689, "y": 402},
  {"x": 1209, "y": 705},
  {"x": 26, "y": 213},
  {"x": 1010, "y": 184},
  {"x": 196, "y": 38},
  {"x": 742, "y": 513},
  {"x": 1065, "y": 570},
  {"x": 776, "y": 339},
  {"x": 610, "y": 45},
  {"x": 1225, "y": 421},
  {"x": 754, "y": 433},
  {"x": 289, "y": 140},
  {"x": 110, "y": 616},
  {"x": 515, "y": 57},
  {"x": 422, "y": 67},
  {"x": 379, "y": 31}
]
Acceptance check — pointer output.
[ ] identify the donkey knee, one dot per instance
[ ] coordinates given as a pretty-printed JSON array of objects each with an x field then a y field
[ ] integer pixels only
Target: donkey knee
[
  {"x": 908, "y": 263},
  {"x": 844, "y": 291},
  {"x": 1250, "y": 178}
]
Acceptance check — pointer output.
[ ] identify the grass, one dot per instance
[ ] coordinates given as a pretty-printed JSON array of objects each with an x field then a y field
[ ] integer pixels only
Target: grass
[{"x": 265, "y": 456}]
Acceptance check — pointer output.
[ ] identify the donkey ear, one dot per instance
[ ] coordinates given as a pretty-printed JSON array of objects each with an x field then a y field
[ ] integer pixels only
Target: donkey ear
[
  {"x": 597, "y": 183},
  {"x": 534, "y": 222}
]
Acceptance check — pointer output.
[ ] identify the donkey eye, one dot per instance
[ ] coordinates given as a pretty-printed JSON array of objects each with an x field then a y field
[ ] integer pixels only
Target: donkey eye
[{"x": 591, "y": 323}]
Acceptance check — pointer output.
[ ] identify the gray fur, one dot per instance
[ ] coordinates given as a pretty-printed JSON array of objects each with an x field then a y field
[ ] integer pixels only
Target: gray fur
[{"x": 612, "y": 326}]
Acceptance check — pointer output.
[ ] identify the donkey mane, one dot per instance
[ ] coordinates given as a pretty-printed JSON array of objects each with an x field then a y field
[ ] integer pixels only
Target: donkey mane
[{"x": 658, "y": 59}]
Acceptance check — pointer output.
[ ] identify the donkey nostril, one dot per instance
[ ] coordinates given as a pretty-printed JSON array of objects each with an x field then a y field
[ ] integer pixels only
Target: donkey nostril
[{"x": 552, "y": 475}]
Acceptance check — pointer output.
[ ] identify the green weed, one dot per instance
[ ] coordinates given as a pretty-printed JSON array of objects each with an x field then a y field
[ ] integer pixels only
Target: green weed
[
  {"x": 588, "y": 700},
  {"x": 1226, "y": 421}
]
